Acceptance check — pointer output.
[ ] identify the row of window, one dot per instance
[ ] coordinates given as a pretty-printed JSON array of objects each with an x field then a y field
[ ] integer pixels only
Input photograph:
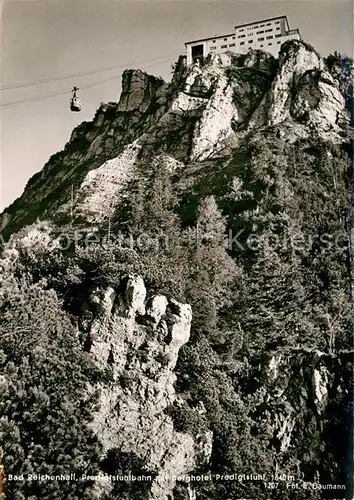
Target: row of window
[
  {"x": 266, "y": 31},
  {"x": 261, "y": 39},
  {"x": 270, "y": 43},
  {"x": 250, "y": 41},
  {"x": 267, "y": 37},
  {"x": 242, "y": 43},
  {"x": 258, "y": 26},
  {"x": 259, "y": 32},
  {"x": 223, "y": 46},
  {"x": 225, "y": 39}
]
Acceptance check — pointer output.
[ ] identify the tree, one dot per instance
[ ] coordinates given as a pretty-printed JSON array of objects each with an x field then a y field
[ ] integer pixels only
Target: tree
[
  {"x": 44, "y": 403},
  {"x": 212, "y": 270}
]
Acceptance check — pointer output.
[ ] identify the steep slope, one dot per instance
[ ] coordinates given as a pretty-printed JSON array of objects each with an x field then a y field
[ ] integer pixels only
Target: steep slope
[
  {"x": 195, "y": 237},
  {"x": 143, "y": 100},
  {"x": 193, "y": 118}
]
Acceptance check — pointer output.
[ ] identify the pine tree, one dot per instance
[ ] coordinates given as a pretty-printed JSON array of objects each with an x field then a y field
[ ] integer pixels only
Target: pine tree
[{"x": 212, "y": 269}]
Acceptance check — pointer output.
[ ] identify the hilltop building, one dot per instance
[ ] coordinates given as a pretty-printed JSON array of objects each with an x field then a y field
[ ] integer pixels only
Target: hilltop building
[{"x": 266, "y": 35}]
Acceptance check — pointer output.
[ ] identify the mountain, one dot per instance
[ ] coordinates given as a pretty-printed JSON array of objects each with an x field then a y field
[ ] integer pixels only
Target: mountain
[{"x": 176, "y": 290}]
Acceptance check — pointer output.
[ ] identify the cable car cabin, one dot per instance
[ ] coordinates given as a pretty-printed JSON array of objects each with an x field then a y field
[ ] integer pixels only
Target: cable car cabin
[{"x": 75, "y": 104}]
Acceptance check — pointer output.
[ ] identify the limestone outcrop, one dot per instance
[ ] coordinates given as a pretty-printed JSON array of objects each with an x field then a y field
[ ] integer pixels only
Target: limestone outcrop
[
  {"x": 138, "y": 341},
  {"x": 266, "y": 140},
  {"x": 205, "y": 110},
  {"x": 139, "y": 90}
]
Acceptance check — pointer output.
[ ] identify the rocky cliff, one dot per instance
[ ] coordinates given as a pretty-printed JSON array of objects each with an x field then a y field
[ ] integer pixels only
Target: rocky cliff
[
  {"x": 142, "y": 357},
  {"x": 201, "y": 113},
  {"x": 194, "y": 238}
]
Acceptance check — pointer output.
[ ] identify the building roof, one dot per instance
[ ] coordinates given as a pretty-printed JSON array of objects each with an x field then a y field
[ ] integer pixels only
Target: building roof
[
  {"x": 209, "y": 38},
  {"x": 262, "y": 21}
]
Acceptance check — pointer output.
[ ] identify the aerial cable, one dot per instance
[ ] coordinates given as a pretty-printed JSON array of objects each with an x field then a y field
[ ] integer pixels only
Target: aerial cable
[
  {"x": 66, "y": 91},
  {"x": 54, "y": 94},
  {"x": 67, "y": 77}
]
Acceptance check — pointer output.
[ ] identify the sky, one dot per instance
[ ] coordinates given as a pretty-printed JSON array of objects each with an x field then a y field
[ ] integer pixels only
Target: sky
[{"x": 53, "y": 39}]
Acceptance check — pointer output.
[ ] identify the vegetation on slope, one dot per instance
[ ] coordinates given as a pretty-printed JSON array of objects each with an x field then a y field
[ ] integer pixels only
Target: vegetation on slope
[
  {"x": 257, "y": 243},
  {"x": 282, "y": 290}
]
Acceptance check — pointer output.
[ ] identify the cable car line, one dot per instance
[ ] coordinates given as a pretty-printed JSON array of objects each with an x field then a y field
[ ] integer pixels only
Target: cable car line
[
  {"x": 54, "y": 94},
  {"x": 67, "y": 77},
  {"x": 66, "y": 91}
]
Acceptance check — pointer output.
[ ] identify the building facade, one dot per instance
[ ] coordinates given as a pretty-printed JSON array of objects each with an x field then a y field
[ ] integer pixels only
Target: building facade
[{"x": 267, "y": 35}]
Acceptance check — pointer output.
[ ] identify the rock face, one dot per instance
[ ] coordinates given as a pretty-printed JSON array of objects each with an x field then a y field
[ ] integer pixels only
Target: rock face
[
  {"x": 294, "y": 380},
  {"x": 292, "y": 65},
  {"x": 92, "y": 145},
  {"x": 99, "y": 193},
  {"x": 139, "y": 343},
  {"x": 316, "y": 101},
  {"x": 202, "y": 129},
  {"x": 204, "y": 110},
  {"x": 215, "y": 123},
  {"x": 139, "y": 90}
]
